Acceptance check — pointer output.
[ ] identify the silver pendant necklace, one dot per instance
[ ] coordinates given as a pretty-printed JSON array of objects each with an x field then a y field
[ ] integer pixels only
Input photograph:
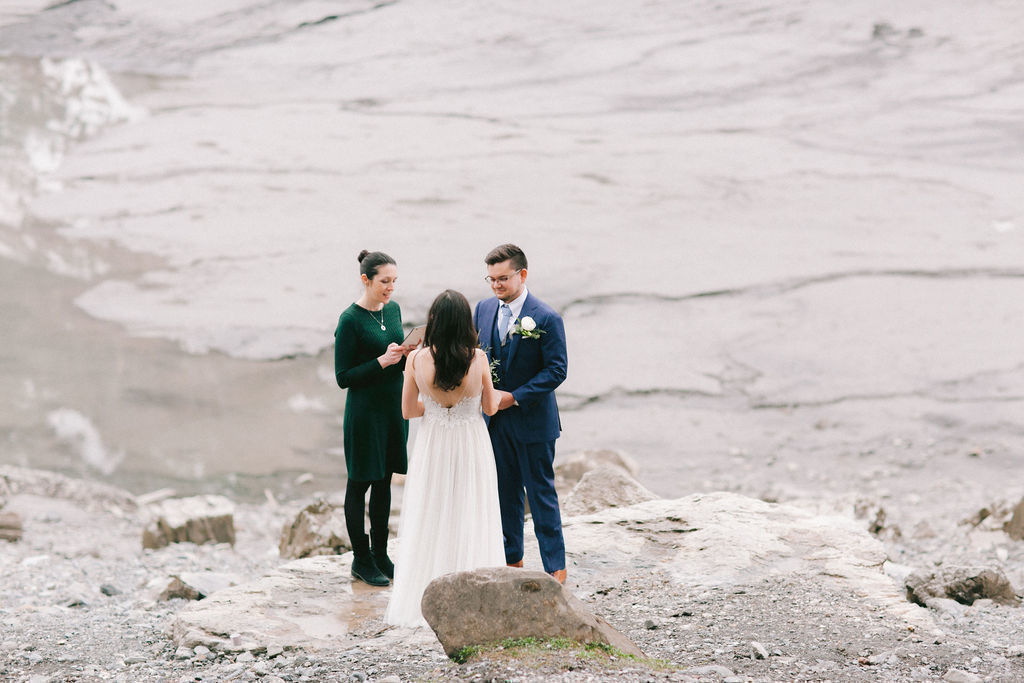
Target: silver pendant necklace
[{"x": 381, "y": 323}]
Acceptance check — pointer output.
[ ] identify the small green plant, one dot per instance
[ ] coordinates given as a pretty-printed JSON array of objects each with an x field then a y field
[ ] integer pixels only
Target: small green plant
[{"x": 464, "y": 654}]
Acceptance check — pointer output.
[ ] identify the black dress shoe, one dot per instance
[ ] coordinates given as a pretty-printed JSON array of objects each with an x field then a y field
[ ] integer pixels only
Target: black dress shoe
[{"x": 364, "y": 569}]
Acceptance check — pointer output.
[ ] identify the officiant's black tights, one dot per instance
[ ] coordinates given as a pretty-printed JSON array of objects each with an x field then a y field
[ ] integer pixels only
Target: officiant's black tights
[{"x": 355, "y": 504}]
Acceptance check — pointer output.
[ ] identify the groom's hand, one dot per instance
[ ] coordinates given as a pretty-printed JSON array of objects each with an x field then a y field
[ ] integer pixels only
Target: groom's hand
[{"x": 507, "y": 400}]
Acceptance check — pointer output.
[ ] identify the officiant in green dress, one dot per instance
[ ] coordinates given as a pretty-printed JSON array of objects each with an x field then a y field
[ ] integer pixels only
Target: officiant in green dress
[{"x": 368, "y": 362}]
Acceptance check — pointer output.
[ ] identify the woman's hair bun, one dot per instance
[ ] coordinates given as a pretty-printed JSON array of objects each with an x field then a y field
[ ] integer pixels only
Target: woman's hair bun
[{"x": 363, "y": 254}]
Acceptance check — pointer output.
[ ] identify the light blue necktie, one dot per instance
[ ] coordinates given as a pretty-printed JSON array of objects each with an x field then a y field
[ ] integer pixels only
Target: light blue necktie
[{"x": 503, "y": 319}]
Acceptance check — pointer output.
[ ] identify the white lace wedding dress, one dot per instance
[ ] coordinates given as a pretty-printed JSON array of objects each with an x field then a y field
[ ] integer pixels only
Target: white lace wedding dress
[{"x": 450, "y": 520}]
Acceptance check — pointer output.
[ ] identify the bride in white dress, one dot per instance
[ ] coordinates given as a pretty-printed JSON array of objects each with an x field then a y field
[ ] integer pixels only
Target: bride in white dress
[{"x": 450, "y": 519}]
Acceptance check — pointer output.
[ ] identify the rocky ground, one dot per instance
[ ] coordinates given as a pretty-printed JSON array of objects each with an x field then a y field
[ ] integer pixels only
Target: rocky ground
[{"x": 80, "y": 598}]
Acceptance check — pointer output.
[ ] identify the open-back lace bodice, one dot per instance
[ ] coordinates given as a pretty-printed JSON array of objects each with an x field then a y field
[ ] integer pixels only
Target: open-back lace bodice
[
  {"x": 463, "y": 412},
  {"x": 459, "y": 405}
]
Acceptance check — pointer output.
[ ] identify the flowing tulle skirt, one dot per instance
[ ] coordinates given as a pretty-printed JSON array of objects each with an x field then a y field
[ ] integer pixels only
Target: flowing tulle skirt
[{"x": 450, "y": 520}]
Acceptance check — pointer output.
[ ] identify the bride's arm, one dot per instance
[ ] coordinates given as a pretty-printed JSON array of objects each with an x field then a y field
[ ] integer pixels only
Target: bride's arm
[
  {"x": 412, "y": 406},
  {"x": 489, "y": 396}
]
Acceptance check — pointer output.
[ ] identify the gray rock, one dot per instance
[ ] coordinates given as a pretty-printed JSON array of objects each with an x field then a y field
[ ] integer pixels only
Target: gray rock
[
  {"x": 109, "y": 590},
  {"x": 758, "y": 650},
  {"x": 184, "y": 653},
  {"x": 963, "y": 584},
  {"x": 488, "y": 605},
  {"x": 197, "y": 585},
  {"x": 181, "y": 590},
  {"x": 961, "y": 676},
  {"x": 947, "y": 606},
  {"x": 155, "y": 496},
  {"x": 882, "y": 658},
  {"x": 1015, "y": 527},
  {"x": 200, "y": 519},
  {"x": 711, "y": 670},
  {"x": 604, "y": 487},
  {"x": 569, "y": 471},
  {"x": 10, "y": 526},
  {"x": 245, "y": 658},
  {"x": 319, "y": 529}
]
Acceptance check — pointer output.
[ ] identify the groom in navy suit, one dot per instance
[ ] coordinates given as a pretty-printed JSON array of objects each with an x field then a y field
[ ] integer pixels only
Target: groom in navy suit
[{"x": 525, "y": 342}]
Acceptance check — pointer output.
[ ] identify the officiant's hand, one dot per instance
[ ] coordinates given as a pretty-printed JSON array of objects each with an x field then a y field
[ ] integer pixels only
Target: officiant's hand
[
  {"x": 391, "y": 356},
  {"x": 507, "y": 400}
]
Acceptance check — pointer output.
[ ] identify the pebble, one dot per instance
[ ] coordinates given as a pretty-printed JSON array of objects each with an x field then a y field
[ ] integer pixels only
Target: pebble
[{"x": 711, "y": 670}]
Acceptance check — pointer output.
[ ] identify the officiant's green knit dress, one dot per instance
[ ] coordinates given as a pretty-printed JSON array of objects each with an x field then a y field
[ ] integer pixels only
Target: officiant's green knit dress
[{"x": 375, "y": 432}]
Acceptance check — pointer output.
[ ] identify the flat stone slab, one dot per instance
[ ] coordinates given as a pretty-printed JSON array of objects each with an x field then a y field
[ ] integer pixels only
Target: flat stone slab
[
  {"x": 309, "y": 603},
  {"x": 729, "y": 539}
]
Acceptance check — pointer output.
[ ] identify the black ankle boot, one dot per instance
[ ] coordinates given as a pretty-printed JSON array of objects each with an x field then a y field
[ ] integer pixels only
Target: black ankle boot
[
  {"x": 379, "y": 552},
  {"x": 363, "y": 566}
]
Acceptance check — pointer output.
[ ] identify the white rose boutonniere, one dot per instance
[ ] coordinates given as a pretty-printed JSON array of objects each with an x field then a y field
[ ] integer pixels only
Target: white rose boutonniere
[{"x": 526, "y": 328}]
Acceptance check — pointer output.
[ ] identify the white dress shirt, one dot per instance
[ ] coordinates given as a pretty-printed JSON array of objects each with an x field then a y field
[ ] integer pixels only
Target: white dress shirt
[{"x": 516, "y": 306}]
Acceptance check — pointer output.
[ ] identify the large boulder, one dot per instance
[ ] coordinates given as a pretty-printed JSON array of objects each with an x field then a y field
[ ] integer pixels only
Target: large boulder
[
  {"x": 606, "y": 486},
  {"x": 486, "y": 606},
  {"x": 963, "y": 584},
  {"x": 319, "y": 529},
  {"x": 200, "y": 519}
]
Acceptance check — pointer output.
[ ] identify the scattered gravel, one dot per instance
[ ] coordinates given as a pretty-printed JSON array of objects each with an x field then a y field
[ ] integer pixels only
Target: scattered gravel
[{"x": 79, "y": 602}]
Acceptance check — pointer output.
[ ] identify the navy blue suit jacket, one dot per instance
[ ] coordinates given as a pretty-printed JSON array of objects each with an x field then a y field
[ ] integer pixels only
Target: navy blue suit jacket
[{"x": 533, "y": 370}]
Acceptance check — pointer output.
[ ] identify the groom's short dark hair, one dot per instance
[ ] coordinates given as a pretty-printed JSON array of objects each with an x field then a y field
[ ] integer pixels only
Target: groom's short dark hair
[{"x": 507, "y": 252}]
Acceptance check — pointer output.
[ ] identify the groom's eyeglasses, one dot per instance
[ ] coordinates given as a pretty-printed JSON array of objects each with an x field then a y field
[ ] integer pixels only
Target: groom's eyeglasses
[{"x": 502, "y": 279}]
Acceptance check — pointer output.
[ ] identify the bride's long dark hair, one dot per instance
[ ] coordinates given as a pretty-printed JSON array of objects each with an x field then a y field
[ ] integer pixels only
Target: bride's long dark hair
[{"x": 451, "y": 338}]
